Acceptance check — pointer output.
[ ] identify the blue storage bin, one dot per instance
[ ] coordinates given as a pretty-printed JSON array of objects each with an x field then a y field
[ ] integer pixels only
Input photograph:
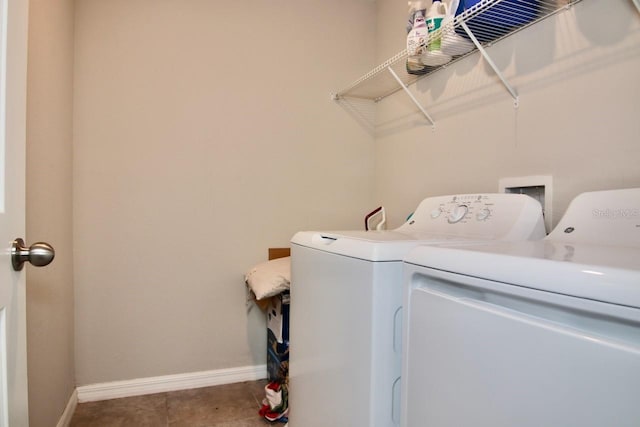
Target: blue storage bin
[{"x": 500, "y": 19}]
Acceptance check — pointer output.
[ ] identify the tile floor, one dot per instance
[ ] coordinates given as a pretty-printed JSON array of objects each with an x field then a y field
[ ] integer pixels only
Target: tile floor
[{"x": 232, "y": 405}]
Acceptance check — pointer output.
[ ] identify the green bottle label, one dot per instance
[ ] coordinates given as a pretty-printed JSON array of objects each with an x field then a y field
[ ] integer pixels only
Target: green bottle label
[{"x": 433, "y": 24}]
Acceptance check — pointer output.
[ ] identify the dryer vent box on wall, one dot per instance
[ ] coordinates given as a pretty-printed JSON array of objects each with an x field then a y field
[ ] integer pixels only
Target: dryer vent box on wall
[{"x": 538, "y": 187}]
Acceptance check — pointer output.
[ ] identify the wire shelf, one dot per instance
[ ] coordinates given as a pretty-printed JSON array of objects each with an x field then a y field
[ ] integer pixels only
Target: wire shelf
[{"x": 487, "y": 21}]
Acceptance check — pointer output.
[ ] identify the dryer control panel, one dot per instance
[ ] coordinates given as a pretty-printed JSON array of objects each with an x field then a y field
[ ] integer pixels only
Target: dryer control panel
[{"x": 610, "y": 217}]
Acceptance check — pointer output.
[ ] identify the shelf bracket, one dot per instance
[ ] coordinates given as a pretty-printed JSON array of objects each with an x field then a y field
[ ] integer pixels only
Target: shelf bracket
[
  {"x": 487, "y": 58},
  {"x": 413, "y": 98}
]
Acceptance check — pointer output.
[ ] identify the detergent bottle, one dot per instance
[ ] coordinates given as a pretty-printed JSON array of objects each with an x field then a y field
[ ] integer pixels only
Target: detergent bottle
[
  {"x": 436, "y": 13},
  {"x": 416, "y": 37},
  {"x": 451, "y": 43},
  {"x": 415, "y": 6},
  {"x": 433, "y": 55}
]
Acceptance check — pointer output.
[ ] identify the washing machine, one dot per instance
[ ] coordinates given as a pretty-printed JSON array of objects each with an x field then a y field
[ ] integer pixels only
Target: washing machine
[
  {"x": 346, "y": 297},
  {"x": 529, "y": 334}
]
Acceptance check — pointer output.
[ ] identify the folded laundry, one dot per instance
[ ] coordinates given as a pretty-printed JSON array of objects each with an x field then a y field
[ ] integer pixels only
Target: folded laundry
[
  {"x": 274, "y": 395},
  {"x": 269, "y": 278},
  {"x": 275, "y": 406}
]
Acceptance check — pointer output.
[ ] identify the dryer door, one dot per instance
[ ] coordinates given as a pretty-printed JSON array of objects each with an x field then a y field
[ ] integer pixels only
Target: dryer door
[{"x": 480, "y": 353}]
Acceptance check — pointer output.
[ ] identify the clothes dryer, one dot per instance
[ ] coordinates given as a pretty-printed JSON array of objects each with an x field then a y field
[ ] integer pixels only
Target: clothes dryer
[
  {"x": 346, "y": 295},
  {"x": 529, "y": 334}
]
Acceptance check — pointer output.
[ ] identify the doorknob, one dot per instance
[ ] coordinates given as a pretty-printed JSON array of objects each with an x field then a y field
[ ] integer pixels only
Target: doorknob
[{"x": 39, "y": 254}]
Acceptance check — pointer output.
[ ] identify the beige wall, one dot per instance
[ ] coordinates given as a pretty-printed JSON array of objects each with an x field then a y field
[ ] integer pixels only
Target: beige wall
[
  {"x": 203, "y": 134},
  {"x": 578, "y": 116},
  {"x": 49, "y": 209}
]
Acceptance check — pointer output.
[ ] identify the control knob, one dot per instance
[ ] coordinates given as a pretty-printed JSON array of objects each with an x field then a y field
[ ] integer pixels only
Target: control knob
[
  {"x": 483, "y": 214},
  {"x": 457, "y": 213}
]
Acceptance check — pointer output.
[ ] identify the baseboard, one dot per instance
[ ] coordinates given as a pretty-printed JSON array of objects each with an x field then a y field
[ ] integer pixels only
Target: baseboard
[
  {"x": 140, "y": 386},
  {"x": 65, "y": 419}
]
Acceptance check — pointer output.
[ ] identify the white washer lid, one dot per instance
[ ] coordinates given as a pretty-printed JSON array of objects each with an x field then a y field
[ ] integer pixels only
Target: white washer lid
[
  {"x": 371, "y": 245},
  {"x": 461, "y": 219},
  {"x": 598, "y": 272}
]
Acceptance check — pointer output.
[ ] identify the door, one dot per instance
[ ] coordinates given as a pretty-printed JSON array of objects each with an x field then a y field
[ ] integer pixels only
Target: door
[{"x": 13, "y": 73}]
